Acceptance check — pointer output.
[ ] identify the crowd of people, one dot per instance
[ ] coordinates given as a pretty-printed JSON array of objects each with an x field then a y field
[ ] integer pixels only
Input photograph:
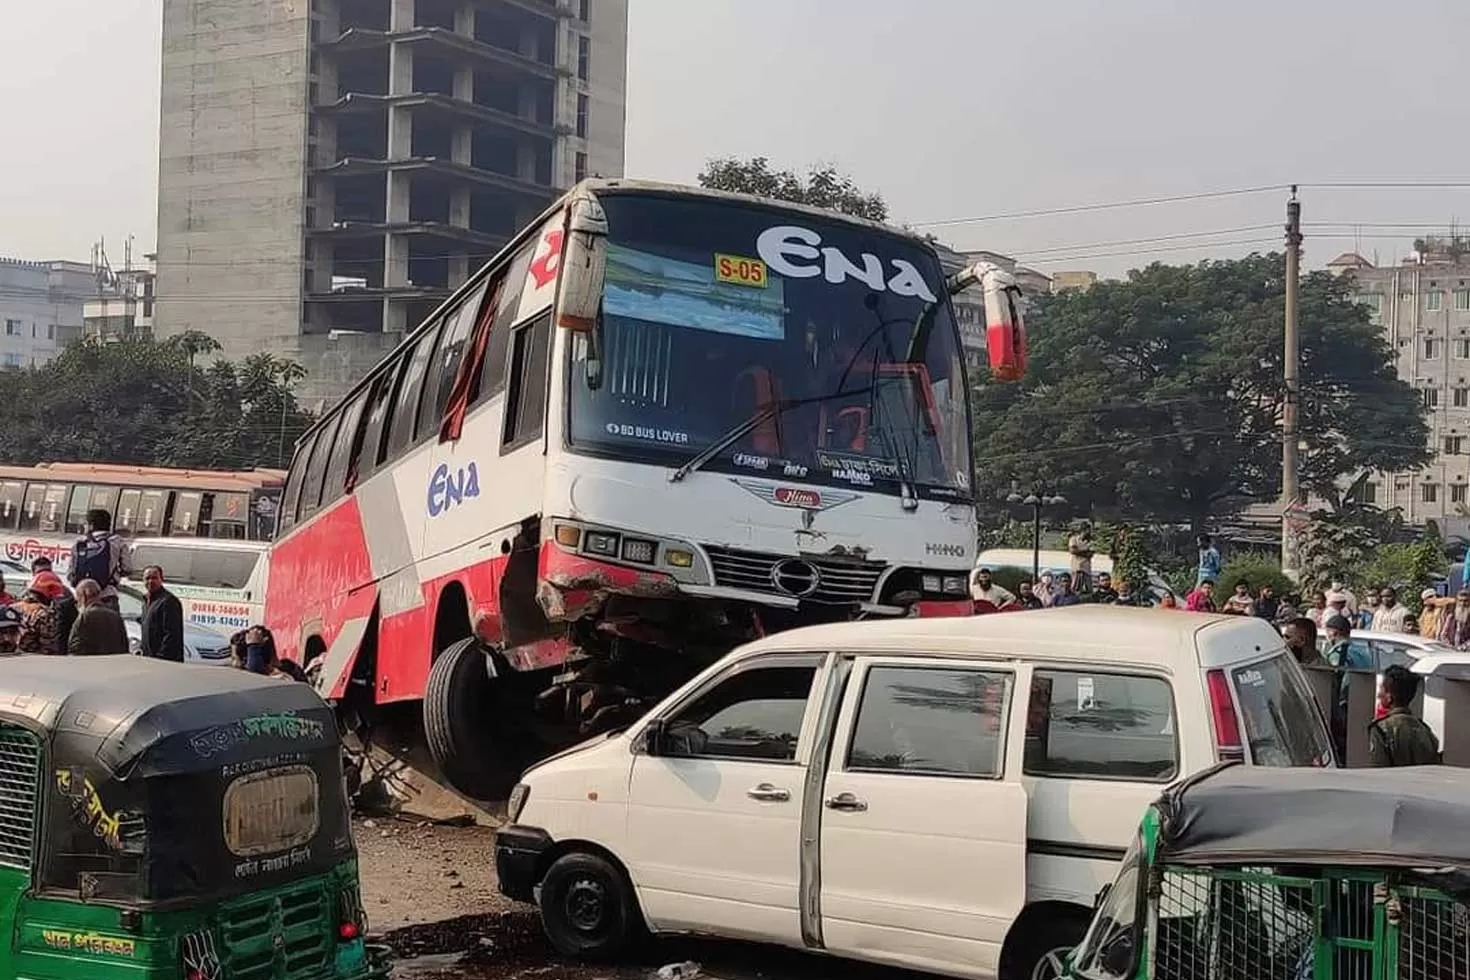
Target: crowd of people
[{"x": 47, "y": 617}]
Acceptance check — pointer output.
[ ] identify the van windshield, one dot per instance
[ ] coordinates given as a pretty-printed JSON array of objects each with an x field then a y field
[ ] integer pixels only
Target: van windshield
[{"x": 1282, "y": 724}]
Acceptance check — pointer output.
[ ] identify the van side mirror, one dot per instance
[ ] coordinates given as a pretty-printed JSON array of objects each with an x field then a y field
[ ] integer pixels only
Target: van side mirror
[{"x": 656, "y": 738}]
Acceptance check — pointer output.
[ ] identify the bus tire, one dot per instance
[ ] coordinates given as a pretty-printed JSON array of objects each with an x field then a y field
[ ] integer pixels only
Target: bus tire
[
  {"x": 460, "y": 713},
  {"x": 588, "y": 908}
]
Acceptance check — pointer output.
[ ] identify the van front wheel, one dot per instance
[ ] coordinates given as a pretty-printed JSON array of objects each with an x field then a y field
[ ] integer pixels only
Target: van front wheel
[
  {"x": 588, "y": 908},
  {"x": 1041, "y": 953}
]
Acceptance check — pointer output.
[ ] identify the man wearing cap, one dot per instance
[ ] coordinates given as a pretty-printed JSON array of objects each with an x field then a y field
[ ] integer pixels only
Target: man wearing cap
[
  {"x": 982, "y": 589},
  {"x": 10, "y": 623},
  {"x": 1431, "y": 619}
]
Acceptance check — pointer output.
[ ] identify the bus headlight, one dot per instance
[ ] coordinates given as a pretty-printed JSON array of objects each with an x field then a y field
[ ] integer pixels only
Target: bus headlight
[
  {"x": 600, "y": 543},
  {"x": 640, "y": 551}
]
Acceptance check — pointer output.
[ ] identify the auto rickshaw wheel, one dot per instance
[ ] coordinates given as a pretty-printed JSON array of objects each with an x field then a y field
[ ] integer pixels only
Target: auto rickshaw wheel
[
  {"x": 588, "y": 908},
  {"x": 463, "y": 724}
]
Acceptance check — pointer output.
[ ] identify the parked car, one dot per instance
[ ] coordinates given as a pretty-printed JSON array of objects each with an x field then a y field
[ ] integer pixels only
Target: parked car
[
  {"x": 947, "y": 795},
  {"x": 1386, "y": 649}
]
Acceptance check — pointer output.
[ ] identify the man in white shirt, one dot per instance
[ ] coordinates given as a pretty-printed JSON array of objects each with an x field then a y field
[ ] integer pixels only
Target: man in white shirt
[
  {"x": 982, "y": 589},
  {"x": 1390, "y": 615}
]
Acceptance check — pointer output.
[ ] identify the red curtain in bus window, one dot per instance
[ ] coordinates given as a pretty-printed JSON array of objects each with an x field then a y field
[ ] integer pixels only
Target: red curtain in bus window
[{"x": 469, "y": 368}]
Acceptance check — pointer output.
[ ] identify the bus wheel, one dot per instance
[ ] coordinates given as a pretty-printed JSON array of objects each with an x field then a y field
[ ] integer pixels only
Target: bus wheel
[{"x": 460, "y": 724}]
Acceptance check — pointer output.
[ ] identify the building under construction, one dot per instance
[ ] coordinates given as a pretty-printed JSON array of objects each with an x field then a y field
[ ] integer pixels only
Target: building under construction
[{"x": 331, "y": 169}]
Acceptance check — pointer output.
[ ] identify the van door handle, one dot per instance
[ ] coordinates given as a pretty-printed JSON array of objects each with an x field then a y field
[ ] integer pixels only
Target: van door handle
[
  {"x": 846, "y": 801},
  {"x": 768, "y": 793}
]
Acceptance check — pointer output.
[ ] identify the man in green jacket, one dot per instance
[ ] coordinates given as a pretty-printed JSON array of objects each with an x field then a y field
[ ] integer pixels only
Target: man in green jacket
[
  {"x": 99, "y": 628},
  {"x": 1398, "y": 738}
]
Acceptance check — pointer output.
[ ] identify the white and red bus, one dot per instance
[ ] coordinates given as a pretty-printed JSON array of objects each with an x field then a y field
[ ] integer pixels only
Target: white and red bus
[{"x": 660, "y": 422}]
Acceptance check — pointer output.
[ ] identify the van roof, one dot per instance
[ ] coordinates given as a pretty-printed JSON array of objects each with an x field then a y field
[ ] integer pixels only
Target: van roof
[{"x": 1100, "y": 633}]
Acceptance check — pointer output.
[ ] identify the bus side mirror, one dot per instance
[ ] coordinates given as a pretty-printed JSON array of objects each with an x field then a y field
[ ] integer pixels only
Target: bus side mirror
[
  {"x": 583, "y": 266},
  {"x": 1102, "y": 895}
]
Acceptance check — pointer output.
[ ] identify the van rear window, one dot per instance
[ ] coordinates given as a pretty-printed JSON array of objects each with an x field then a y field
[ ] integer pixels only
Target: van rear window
[
  {"x": 273, "y": 811},
  {"x": 1282, "y": 725}
]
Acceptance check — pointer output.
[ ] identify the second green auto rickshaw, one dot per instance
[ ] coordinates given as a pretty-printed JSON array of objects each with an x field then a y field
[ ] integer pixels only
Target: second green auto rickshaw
[{"x": 1289, "y": 874}]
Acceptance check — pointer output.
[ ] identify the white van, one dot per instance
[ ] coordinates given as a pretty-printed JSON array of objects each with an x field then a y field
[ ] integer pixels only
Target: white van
[
  {"x": 944, "y": 794},
  {"x": 220, "y": 582}
]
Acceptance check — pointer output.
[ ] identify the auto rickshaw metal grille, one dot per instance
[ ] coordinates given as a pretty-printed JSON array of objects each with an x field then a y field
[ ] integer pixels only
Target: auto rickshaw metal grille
[
  {"x": 283, "y": 934},
  {"x": 1256, "y": 924},
  {"x": 20, "y": 764}
]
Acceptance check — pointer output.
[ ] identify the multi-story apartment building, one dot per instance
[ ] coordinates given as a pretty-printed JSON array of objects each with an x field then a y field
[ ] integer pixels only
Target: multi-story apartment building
[
  {"x": 40, "y": 308},
  {"x": 1423, "y": 306},
  {"x": 331, "y": 169}
]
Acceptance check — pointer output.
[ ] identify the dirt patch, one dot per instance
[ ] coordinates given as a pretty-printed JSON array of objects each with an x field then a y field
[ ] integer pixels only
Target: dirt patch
[{"x": 415, "y": 872}]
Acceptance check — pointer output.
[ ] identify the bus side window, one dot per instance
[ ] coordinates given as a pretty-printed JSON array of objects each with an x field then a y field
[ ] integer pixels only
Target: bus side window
[
  {"x": 491, "y": 380},
  {"x": 292, "y": 497},
  {"x": 335, "y": 484},
  {"x": 396, "y": 435},
  {"x": 12, "y": 498},
  {"x": 129, "y": 510},
  {"x": 187, "y": 507},
  {"x": 53, "y": 507},
  {"x": 104, "y": 498},
  {"x": 525, "y": 403},
  {"x": 458, "y": 327},
  {"x": 316, "y": 468},
  {"x": 76, "y": 513},
  {"x": 154, "y": 511},
  {"x": 406, "y": 411}
]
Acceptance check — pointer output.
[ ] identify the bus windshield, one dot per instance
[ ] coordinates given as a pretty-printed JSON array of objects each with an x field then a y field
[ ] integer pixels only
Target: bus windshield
[{"x": 839, "y": 338}]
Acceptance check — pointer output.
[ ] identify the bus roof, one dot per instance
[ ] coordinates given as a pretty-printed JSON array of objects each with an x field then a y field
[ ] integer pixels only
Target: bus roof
[
  {"x": 239, "y": 481},
  {"x": 596, "y": 185}
]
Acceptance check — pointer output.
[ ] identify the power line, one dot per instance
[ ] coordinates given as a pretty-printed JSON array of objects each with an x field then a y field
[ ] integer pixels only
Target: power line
[{"x": 1104, "y": 206}]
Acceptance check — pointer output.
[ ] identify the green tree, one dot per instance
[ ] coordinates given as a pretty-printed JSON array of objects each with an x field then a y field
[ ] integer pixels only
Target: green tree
[
  {"x": 152, "y": 403},
  {"x": 822, "y": 186},
  {"x": 1160, "y": 397}
]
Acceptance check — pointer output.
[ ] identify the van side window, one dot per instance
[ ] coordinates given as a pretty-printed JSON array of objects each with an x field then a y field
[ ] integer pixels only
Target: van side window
[
  {"x": 755, "y": 714},
  {"x": 1101, "y": 726},
  {"x": 933, "y": 720}
]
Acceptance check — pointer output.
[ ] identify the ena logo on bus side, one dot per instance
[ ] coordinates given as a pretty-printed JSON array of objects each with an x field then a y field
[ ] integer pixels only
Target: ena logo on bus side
[
  {"x": 447, "y": 489},
  {"x": 781, "y": 246}
]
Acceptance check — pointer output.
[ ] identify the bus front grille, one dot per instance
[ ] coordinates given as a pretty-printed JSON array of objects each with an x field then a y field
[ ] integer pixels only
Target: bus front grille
[{"x": 831, "y": 581}]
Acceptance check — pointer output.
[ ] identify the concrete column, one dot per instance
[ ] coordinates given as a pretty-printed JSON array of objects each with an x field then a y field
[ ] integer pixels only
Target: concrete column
[
  {"x": 464, "y": 84},
  {"x": 322, "y": 266},
  {"x": 462, "y": 145},
  {"x": 330, "y": 14},
  {"x": 400, "y": 133},
  {"x": 464, "y": 20},
  {"x": 396, "y": 207},
  {"x": 459, "y": 207},
  {"x": 459, "y": 270},
  {"x": 395, "y": 261},
  {"x": 401, "y": 15},
  {"x": 326, "y": 141},
  {"x": 400, "y": 69},
  {"x": 395, "y": 316}
]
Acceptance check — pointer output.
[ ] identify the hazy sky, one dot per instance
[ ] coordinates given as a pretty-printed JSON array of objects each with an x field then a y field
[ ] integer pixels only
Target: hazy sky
[{"x": 950, "y": 108}]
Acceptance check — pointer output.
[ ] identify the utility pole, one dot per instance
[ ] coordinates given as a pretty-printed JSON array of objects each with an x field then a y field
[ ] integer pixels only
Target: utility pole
[{"x": 1291, "y": 496}]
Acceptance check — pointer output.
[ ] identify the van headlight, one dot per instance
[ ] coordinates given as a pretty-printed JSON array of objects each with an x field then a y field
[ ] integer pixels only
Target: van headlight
[{"x": 517, "y": 802}]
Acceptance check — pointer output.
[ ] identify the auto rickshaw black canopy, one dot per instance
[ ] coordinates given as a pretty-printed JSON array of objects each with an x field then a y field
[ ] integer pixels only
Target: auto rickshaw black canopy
[
  {"x": 139, "y": 717},
  {"x": 1412, "y": 817}
]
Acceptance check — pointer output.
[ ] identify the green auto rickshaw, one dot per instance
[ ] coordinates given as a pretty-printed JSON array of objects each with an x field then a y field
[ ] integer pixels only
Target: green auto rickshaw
[
  {"x": 1247, "y": 873},
  {"x": 161, "y": 821}
]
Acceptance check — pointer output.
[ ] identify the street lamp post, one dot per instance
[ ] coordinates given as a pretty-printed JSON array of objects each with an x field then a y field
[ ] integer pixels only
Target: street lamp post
[{"x": 1035, "y": 501}]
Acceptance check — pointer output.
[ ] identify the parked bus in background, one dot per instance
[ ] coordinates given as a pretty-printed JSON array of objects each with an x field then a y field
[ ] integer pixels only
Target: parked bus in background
[
  {"x": 43, "y": 509},
  {"x": 662, "y": 421}
]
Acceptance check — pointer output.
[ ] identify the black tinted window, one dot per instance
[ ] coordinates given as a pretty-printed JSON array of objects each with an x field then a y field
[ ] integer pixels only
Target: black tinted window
[
  {"x": 459, "y": 328},
  {"x": 507, "y": 305},
  {"x": 12, "y": 494},
  {"x": 373, "y": 442},
  {"x": 335, "y": 482},
  {"x": 931, "y": 719},
  {"x": 1113, "y": 726},
  {"x": 126, "y": 517},
  {"x": 316, "y": 468},
  {"x": 186, "y": 511},
  {"x": 153, "y": 511},
  {"x": 410, "y": 390},
  {"x": 756, "y": 714},
  {"x": 525, "y": 404},
  {"x": 292, "y": 495}
]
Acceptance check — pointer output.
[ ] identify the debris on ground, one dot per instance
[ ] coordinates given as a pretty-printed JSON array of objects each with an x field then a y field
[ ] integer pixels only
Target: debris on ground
[{"x": 687, "y": 970}]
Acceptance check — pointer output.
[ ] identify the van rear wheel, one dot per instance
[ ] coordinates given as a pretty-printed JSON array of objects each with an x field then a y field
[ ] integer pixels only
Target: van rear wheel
[
  {"x": 463, "y": 724},
  {"x": 1041, "y": 953}
]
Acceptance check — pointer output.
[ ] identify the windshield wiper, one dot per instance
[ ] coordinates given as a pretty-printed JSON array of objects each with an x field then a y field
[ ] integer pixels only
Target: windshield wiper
[{"x": 729, "y": 439}]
